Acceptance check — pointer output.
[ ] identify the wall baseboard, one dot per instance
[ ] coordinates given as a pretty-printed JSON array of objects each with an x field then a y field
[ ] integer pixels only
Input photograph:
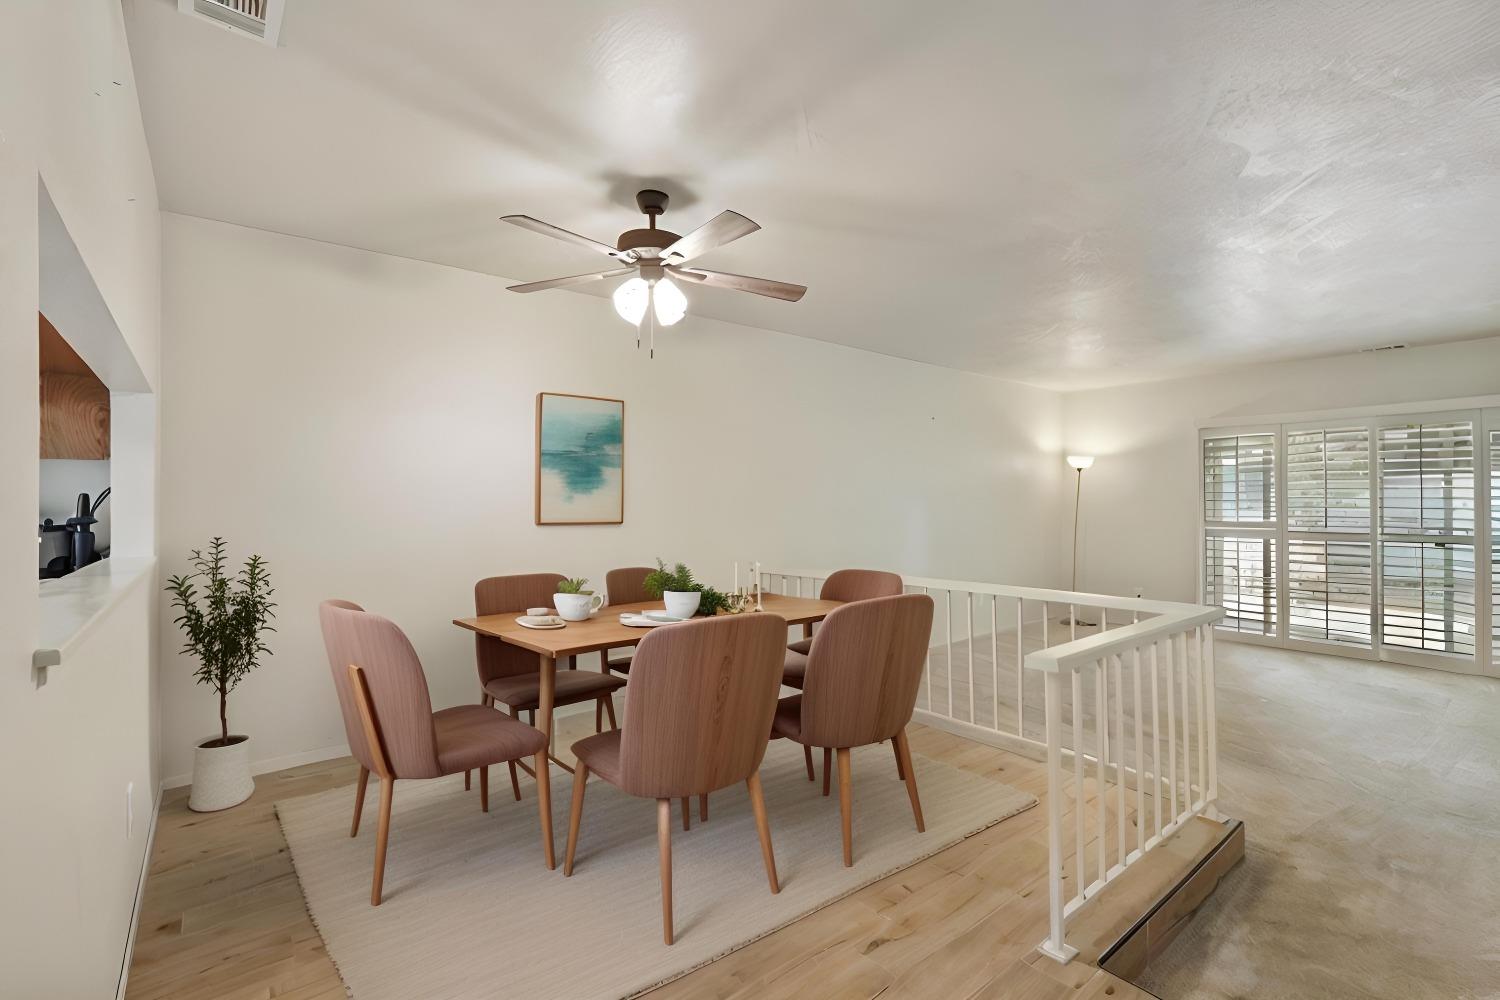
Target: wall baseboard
[{"x": 140, "y": 894}]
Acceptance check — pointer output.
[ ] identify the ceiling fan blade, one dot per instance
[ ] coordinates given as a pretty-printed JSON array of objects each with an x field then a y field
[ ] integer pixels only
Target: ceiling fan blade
[
  {"x": 726, "y": 227},
  {"x": 558, "y": 233},
  {"x": 760, "y": 286},
  {"x": 577, "y": 279}
]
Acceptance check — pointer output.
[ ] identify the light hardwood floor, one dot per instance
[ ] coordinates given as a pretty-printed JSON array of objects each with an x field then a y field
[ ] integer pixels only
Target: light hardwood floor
[{"x": 223, "y": 916}]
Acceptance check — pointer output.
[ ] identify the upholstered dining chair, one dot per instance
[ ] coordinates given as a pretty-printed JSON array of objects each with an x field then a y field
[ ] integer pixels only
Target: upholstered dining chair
[
  {"x": 698, "y": 708},
  {"x": 624, "y": 586},
  {"x": 508, "y": 675},
  {"x": 863, "y": 670},
  {"x": 844, "y": 585},
  {"x": 394, "y": 732}
]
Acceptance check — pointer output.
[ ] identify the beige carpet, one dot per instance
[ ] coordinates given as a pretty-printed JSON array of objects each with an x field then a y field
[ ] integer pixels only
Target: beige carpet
[{"x": 471, "y": 911}]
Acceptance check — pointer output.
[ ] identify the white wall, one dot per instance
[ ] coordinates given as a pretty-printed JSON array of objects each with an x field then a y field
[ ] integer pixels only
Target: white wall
[
  {"x": 366, "y": 423},
  {"x": 1139, "y": 514},
  {"x": 69, "y": 117}
]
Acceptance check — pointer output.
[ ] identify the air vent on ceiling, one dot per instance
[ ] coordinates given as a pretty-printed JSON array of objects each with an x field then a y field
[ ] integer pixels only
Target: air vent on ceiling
[
  {"x": 1383, "y": 347},
  {"x": 259, "y": 19}
]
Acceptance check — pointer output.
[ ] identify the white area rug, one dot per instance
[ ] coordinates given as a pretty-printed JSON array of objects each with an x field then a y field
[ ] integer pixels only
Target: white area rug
[{"x": 471, "y": 910}]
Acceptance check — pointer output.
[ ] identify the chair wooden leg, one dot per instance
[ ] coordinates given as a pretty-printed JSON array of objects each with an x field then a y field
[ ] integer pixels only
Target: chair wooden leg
[
  {"x": 467, "y": 784},
  {"x": 484, "y": 789},
  {"x": 515, "y": 782},
  {"x": 544, "y": 806},
  {"x": 664, "y": 849},
  {"x": 703, "y": 808},
  {"x": 382, "y": 837},
  {"x": 609, "y": 709},
  {"x": 359, "y": 799},
  {"x": 846, "y": 805},
  {"x": 807, "y": 756},
  {"x": 687, "y": 817},
  {"x": 900, "y": 767},
  {"x": 599, "y": 715},
  {"x": 909, "y": 775},
  {"x": 758, "y": 804},
  {"x": 827, "y": 769},
  {"x": 580, "y": 776}
]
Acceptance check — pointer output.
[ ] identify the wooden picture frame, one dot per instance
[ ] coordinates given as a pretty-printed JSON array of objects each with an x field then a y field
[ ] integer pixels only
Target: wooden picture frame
[{"x": 580, "y": 459}]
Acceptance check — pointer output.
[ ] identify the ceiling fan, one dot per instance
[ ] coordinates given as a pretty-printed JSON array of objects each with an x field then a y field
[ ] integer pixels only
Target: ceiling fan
[{"x": 654, "y": 257}]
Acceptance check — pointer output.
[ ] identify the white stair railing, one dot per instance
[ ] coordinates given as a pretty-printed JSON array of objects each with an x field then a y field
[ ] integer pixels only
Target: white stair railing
[{"x": 1121, "y": 708}]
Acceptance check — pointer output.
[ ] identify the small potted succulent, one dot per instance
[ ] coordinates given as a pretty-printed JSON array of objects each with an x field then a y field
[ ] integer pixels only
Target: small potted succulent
[
  {"x": 683, "y": 596},
  {"x": 224, "y": 625},
  {"x": 573, "y": 603}
]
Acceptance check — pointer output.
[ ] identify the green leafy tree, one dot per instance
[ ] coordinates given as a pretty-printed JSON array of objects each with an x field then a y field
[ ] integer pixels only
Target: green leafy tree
[{"x": 225, "y": 623}]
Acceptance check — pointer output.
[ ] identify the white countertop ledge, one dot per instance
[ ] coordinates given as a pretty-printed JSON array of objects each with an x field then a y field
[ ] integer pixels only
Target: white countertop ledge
[{"x": 68, "y": 607}]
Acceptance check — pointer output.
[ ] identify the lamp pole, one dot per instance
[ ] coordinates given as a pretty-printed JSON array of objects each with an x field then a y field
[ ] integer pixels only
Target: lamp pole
[{"x": 1079, "y": 463}]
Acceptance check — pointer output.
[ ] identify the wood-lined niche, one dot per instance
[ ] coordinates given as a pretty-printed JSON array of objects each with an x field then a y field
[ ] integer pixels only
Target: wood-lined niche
[{"x": 74, "y": 403}]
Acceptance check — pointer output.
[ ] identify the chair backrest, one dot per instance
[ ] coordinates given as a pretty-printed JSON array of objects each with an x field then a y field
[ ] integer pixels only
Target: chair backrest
[
  {"x": 628, "y": 585},
  {"x": 397, "y": 685},
  {"x": 504, "y": 595},
  {"x": 860, "y": 585},
  {"x": 864, "y": 669},
  {"x": 699, "y": 704}
]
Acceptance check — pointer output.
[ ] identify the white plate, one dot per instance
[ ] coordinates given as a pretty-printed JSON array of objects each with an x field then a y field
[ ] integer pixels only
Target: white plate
[
  {"x": 544, "y": 622},
  {"x": 641, "y": 621}
]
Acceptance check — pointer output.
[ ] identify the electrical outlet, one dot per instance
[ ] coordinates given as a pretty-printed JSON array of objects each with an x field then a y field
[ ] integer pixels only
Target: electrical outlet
[{"x": 129, "y": 809}]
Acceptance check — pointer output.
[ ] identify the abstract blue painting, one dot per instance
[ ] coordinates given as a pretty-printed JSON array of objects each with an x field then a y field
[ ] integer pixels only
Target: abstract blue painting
[{"x": 580, "y": 460}]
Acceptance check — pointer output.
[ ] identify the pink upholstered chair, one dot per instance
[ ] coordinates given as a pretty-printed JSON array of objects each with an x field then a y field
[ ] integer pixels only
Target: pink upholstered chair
[
  {"x": 845, "y": 585},
  {"x": 624, "y": 586},
  {"x": 863, "y": 670},
  {"x": 509, "y": 675},
  {"x": 394, "y": 732},
  {"x": 698, "y": 709}
]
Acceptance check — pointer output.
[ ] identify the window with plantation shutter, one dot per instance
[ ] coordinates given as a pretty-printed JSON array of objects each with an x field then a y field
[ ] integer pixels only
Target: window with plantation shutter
[
  {"x": 1239, "y": 479},
  {"x": 1494, "y": 458},
  {"x": 1240, "y": 577},
  {"x": 1329, "y": 555},
  {"x": 1427, "y": 514}
]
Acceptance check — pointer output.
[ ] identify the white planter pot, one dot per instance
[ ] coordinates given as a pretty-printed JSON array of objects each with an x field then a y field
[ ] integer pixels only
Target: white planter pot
[
  {"x": 681, "y": 603},
  {"x": 221, "y": 775},
  {"x": 577, "y": 607}
]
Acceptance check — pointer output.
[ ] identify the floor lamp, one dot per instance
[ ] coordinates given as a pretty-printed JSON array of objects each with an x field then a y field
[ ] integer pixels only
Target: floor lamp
[{"x": 1079, "y": 463}]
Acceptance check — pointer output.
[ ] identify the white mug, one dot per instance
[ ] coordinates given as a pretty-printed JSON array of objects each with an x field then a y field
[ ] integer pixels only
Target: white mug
[{"x": 577, "y": 607}]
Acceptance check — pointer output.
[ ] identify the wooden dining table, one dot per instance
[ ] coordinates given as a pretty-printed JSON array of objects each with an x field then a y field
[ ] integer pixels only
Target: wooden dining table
[{"x": 604, "y": 632}]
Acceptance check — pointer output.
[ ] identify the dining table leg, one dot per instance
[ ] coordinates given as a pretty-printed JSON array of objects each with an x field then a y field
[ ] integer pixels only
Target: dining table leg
[{"x": 545, "y": 698}]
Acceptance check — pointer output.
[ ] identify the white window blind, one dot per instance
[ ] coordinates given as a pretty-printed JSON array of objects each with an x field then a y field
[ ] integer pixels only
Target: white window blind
[
  {"x": 1240, "y": 576},
  {"x": 1495, "y": 543},
  {"x": 1329, "y": 580},
  {"x": 1427, "y": 536},
  {"x": 1239, "y": 479}
]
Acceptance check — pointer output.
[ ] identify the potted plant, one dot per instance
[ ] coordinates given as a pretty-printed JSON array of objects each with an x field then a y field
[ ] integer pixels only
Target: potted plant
[
  {"x": 574, "y": 603},
  {"x": 683, "y": 596},
  {"x": 224, "y": 625}
]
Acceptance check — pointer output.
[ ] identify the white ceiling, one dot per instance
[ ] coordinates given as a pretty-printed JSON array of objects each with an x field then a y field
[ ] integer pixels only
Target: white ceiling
[{"x": 1070, "y": 193}]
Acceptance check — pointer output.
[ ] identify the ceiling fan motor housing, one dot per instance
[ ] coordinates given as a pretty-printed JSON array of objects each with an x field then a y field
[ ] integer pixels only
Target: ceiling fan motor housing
[{"x": 652, "y": 203}]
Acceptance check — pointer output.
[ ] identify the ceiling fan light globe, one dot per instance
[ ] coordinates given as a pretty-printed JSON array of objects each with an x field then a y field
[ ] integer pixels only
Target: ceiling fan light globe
[
  {"x": 630, "y": 300},
  {"x": 669, "y": 302}
]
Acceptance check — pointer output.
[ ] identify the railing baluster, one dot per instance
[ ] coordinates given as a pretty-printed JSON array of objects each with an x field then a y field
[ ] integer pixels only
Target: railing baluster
[
  {"x": 1156, "y": 735},
  {"x": 1045, "y": 613},
  {"x": 927, "y": 666},
  {"x": 1072, "y": 622},
  {"x": 1119, "y": 668},
  {"x": 969, "y": 619},
  {"x": 948, "y": 607},
  {"x": 995, "y": 659},
  {"x": 1187, "y": 725},
  {"x": 1171, "y": 733},
  {"x": 1140, "y": 755},
  {"x": 1198, "y": 700},
  {"x": 1020, "y": 667},
  {"x": 1080, "y": 873},
  {"x": 1101, "y": 742},
  {"x": 1213, "y": 734}
]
